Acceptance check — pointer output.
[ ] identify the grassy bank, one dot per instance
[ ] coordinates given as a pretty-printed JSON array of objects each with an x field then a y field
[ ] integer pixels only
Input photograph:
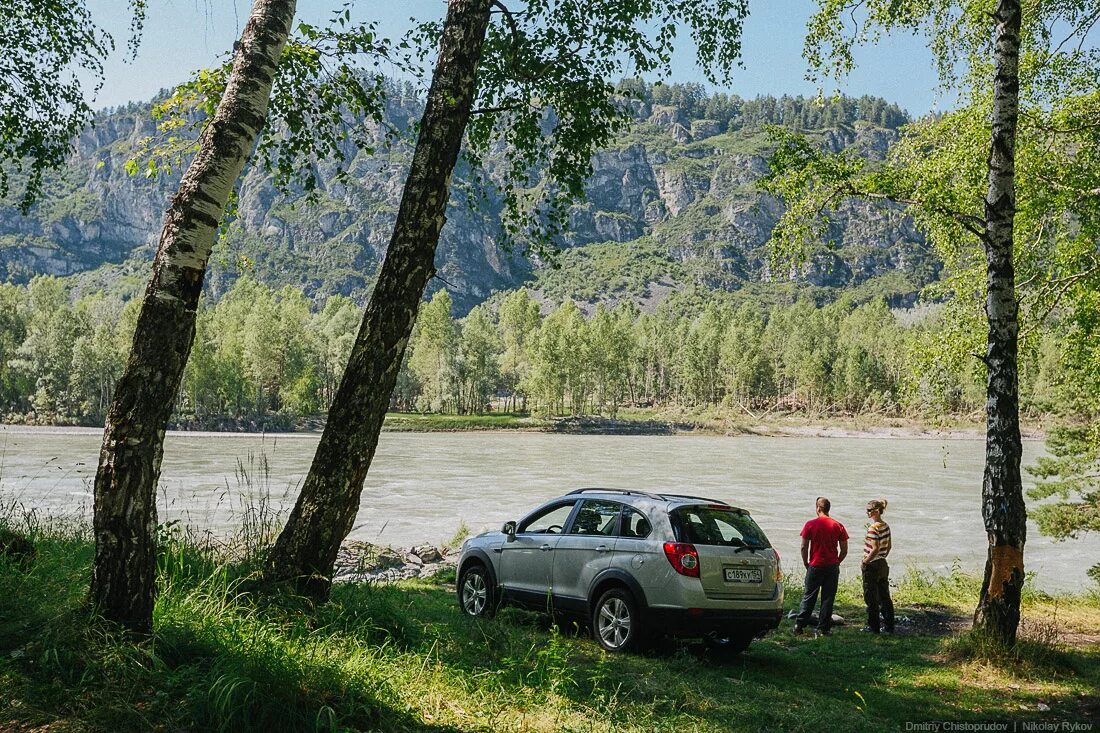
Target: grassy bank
[
  {"x": 668, "y": 421},
  {"x": 402, "y": 658},
  {"x": 633, "y": 421}
]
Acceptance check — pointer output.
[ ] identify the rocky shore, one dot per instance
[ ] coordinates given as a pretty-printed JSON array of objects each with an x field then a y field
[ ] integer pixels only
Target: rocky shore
[{"x": 363, "y": 562}]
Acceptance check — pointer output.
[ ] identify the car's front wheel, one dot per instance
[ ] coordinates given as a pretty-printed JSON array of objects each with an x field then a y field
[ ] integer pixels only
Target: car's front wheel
[
  {"x": 617, "y": 621},
  {"x": 476, "y": 595}
]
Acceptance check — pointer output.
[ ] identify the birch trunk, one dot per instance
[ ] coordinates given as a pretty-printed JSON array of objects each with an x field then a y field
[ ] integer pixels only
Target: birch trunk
[
  {"x": 125, "y": 522},
  {"x": 1003, "y": 507},
  {"x": 305, "y": 551}
]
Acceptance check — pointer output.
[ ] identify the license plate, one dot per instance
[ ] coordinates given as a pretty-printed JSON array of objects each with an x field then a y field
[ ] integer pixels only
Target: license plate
[{"x": 743, "y": 575}]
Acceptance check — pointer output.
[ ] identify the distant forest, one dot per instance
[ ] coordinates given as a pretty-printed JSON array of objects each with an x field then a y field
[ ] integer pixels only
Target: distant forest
[
  {"x": 799, "y": 113},
  {"x": 265, "y": 354}
]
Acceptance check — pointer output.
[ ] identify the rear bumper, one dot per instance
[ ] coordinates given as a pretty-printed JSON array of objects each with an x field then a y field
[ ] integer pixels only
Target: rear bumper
[{"x": 703, "y": 621}]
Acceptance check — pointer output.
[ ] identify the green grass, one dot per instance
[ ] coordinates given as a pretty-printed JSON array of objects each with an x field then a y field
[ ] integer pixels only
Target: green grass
[{"x": 402, "y": 658}]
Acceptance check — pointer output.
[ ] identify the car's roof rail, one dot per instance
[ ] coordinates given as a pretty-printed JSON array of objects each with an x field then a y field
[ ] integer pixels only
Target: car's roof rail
[
  {"x": 697, "y": 498},
  {"x": 630, "y": 492}
]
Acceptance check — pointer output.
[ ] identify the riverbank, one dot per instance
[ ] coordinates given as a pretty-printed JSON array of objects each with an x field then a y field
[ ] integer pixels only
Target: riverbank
[
  {"x": 400, "y": 657},
  {"x": 632, "y": 422},
  {"x": 711, "y": 422}
]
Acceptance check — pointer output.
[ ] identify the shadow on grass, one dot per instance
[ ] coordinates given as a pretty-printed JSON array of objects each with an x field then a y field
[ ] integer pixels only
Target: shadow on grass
[
  {"x": 219, "y": 660},
  {"x": 782, "y": 682},
  {"x": 405, "y": 659}
]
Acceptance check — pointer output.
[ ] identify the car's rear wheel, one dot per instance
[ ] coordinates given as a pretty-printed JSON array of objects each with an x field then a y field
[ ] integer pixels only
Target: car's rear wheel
[
  {"x": 616, "y": 621},
  {"x": 727, "y": 643},
  {"x": 476, "y": 595}
]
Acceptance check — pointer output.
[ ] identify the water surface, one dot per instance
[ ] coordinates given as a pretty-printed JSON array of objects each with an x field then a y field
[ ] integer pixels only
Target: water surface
[{"x": 423, "y": 486}]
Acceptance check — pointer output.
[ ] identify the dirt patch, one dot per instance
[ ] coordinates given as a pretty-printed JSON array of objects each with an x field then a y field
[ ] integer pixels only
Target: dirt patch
[
  {"x": 927, "y": 619},
  {"x": 1073, "y": 638}
]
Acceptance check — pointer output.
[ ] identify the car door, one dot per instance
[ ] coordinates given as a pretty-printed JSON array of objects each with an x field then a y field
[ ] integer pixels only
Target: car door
[
  {"x": 583, "y": 551},
  {"x": 527, "y": 562},
  {"x": 638, "y": 553}
]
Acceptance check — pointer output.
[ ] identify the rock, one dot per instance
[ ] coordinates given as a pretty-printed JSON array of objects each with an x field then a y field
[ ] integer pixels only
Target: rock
[
  {"x": 666, "y": 117},
  {"x": 329, "y": 223},
  {"x": 412, "y": 559},
  {"x": 428, "y": 553},
  {"x": 702, "y": 129},
  {"x": 429, "y": 570},
  {"x": 680, "y": 133},
  {"x": 388, "y": 560}
]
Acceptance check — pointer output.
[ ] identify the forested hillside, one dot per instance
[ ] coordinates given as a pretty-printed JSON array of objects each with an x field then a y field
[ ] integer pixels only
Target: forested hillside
[
  {"x": 672, "y": 203},
  {"x": 673, "y": 225}
]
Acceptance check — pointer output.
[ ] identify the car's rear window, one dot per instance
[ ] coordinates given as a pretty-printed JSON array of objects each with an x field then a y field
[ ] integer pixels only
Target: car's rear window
[{"x": 711, "y": 525}]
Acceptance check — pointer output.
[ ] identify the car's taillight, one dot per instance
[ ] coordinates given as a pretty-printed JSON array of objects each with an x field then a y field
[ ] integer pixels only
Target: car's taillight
[
  {"x": 778, "y": 567},
  {"x": 684, "y": 558}
]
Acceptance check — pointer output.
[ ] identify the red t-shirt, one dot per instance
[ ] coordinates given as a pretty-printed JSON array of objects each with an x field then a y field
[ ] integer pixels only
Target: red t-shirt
[{"x": 824, "y": 534}]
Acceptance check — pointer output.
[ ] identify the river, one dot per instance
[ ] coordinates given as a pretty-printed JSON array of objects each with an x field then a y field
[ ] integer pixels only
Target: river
[{"x": 423, "y": 486}]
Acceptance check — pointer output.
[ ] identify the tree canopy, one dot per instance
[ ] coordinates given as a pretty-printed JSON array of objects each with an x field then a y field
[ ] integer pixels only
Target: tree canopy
[{"x": 45, "y": 46}]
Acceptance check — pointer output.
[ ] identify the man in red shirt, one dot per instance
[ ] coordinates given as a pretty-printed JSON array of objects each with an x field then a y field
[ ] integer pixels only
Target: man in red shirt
[{"x": 824, "y": 546}]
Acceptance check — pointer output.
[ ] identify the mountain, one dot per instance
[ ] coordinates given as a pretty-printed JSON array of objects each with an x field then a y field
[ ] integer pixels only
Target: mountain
[{"x": 671, "y": 205}]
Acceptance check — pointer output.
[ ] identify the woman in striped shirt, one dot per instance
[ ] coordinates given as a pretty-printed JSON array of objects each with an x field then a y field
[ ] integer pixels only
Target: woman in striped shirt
[{"x": 876, "y": 573}]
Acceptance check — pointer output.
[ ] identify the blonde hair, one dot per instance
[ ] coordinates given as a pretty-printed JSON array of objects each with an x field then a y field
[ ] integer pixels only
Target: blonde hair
[{"x": 878, "y": 505}]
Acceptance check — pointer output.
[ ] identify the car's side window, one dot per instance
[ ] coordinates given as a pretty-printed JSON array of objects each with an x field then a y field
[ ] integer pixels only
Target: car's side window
[
  {"x": 549, "y": 521},
  {"x": 635, "y": 524},
  {"x": 596, "y": 517}
]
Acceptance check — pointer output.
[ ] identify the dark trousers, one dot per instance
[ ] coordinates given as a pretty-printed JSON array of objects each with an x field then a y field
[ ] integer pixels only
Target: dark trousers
[
  {"x": 876, "y": 593},
  {"x": 824, "y": 580}
]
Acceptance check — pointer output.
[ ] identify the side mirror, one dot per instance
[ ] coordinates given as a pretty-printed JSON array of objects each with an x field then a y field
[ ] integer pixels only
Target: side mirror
[{"x": 509, "y": 529}]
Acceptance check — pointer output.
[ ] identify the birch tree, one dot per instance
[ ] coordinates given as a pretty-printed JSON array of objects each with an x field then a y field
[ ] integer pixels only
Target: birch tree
[
  {"x": 540, "y": 77},
  {"x": 284, "y": 100},
  {"x": 123, "y": 580},
  {"x": 964, "y": 190}
]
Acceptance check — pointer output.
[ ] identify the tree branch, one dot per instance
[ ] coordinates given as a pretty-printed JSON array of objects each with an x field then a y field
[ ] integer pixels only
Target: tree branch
[
  {"x": 973, "y": 224},
  {"x": 1082, "y": 193},
  {"x": 517, "y": 39},
  {"x": 496, "y": 110},
  {"x": 1064, "y": 284}
]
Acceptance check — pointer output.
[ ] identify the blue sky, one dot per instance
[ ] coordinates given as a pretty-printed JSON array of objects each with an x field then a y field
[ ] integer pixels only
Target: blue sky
[{"x": 182, "y": 35}]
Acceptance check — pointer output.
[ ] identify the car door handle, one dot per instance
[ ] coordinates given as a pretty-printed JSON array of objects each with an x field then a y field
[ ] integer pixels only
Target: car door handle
[
  {"x": 546, "y": 548},
  {"x": 602, "y": 548}
]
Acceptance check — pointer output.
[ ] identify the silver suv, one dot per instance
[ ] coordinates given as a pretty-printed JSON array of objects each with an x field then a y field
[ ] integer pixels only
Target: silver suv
[{"x": 634, "y": 564}]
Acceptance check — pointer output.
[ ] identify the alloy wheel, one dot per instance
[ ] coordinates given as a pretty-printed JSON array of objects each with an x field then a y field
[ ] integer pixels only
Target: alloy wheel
[
  {"x": 475, "y": 594},
  {"x": 613, "y": 623}
]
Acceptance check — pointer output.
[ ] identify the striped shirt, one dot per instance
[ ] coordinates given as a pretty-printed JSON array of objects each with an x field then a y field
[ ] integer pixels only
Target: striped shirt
[{"x": 877, "y": 543}]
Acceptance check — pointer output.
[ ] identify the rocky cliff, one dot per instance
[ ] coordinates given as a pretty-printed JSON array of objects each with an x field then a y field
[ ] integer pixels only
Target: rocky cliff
[{"x": 672, "y": 204}]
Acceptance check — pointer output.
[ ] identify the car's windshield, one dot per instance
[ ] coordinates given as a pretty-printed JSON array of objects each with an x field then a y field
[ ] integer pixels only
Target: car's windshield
[{"x": 714, "y": 525}]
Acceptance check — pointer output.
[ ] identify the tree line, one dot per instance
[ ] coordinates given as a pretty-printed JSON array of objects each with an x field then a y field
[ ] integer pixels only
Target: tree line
[
  {"x": 270, "y": 355},
  {"x": 732, "y": 112}
]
